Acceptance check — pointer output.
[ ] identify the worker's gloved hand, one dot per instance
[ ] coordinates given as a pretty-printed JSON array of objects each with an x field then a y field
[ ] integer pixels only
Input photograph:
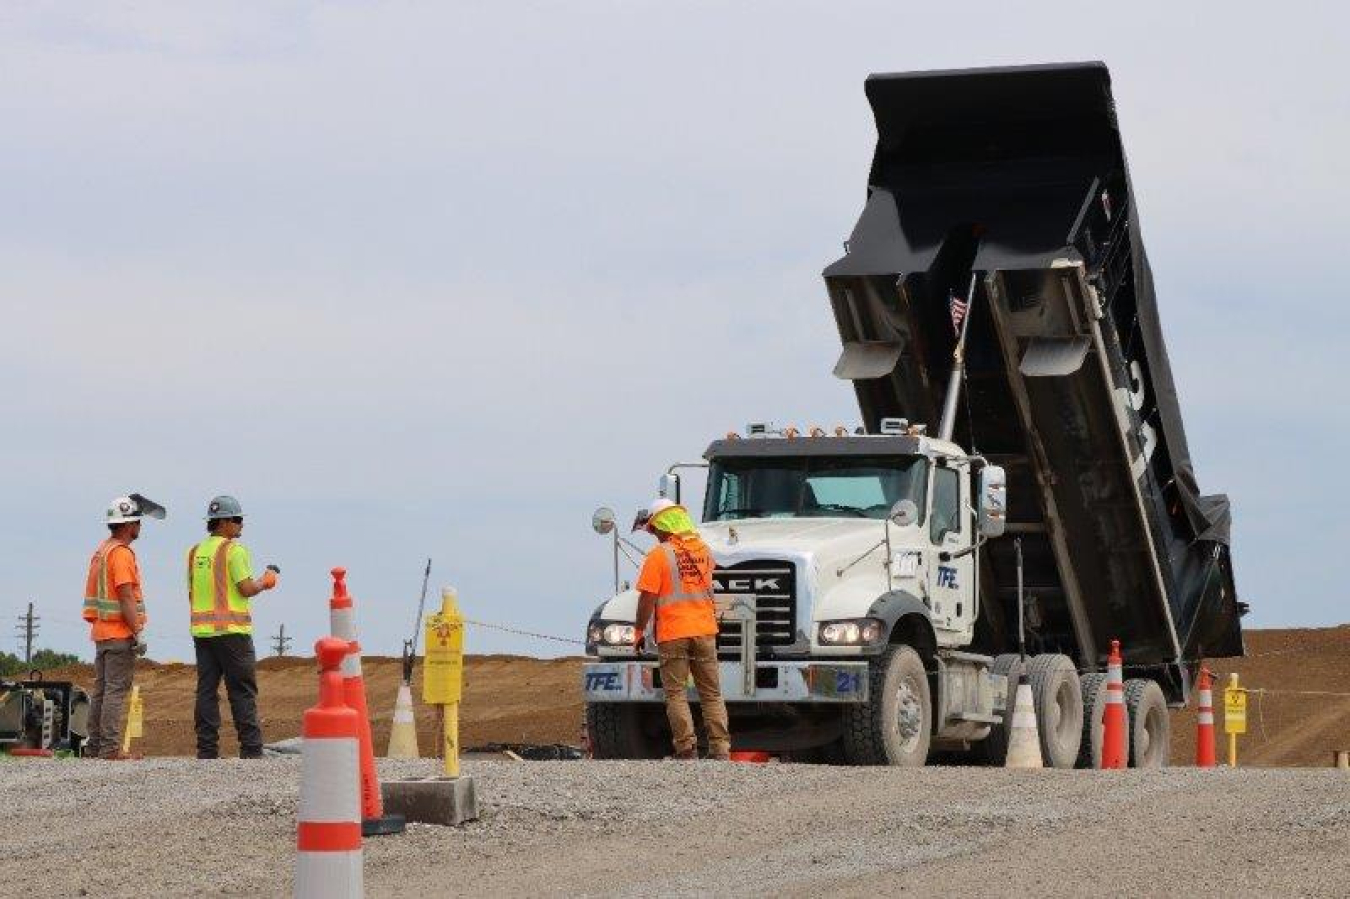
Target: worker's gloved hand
[
  {"x": 138, "y": 645},
  {"x": 268, "y": 579}
]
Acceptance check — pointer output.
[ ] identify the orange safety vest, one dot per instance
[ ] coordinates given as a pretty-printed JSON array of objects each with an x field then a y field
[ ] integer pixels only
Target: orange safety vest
[
  {"x": 685, "y": 608},
  {"x": 100, "y": 599}
]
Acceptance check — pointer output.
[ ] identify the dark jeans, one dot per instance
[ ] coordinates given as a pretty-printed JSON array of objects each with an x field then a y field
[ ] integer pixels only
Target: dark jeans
[
  {"x": 229, "y": 656},
  {"x": 114, "y": 664}
]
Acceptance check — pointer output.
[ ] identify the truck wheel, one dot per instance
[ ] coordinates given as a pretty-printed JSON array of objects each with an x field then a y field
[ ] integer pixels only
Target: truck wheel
[
  {"x": 615, "y": 730},
  {"x": 895, "y": 725},
  {"x": 993, "y": 749},
  {"x": 1094, "y": 706},
  {"x": 1059, "y": 708},
  {"x": 1150, "y": 728}
]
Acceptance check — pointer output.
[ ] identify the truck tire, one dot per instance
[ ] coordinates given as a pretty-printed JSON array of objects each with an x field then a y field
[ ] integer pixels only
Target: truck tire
[
  {"x": 1150, "y": 738},
  {"x": 615, "y": 730},
  {"x": 1059, "y": 708},
  {"x": 993, "y": 749},
  {"x": 1094, "y": 707},
  {"x": 895, "y": 725}
]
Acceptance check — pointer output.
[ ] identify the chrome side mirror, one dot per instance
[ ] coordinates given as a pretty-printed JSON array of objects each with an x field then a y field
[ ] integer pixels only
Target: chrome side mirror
[
  {"x": 993, "y": 501},
  {"x": 670, "y": 487},
  {"x": 904, "y": 513},
  {"x": 602, "y": 521}
]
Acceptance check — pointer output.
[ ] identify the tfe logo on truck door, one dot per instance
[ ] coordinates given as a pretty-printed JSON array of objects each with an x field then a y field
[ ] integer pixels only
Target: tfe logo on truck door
[{"x": 946, "y": 577}]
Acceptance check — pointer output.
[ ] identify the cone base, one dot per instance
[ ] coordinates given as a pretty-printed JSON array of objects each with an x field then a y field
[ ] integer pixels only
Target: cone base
[{"x": 383, "y": 826}]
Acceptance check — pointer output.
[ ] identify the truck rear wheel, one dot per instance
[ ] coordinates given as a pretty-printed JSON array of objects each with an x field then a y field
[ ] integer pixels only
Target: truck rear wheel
[
  {"x": 895, "y": 725},
  {"x": 1150, "y": 728},
  {"x": 1059, "y": 708},
  {"x": 1094, "y": 706},
  {"x": 993, "y": 749},
  {"x": 615, "y": 730}
]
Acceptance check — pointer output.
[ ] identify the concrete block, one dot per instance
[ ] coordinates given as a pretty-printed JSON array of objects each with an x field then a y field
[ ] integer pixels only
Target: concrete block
[{"x": 432, "y": 800}]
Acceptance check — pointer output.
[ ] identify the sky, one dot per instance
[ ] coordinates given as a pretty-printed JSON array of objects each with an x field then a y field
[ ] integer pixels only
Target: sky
[{"x": 433, "y": 280}]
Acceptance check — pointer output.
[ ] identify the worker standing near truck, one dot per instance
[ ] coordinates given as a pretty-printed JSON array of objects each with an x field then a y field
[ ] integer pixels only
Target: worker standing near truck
[
  {"x": 676, "y": 583},
  {"x": 115, "y": 610},
  {"x": 220, "y": 587}
]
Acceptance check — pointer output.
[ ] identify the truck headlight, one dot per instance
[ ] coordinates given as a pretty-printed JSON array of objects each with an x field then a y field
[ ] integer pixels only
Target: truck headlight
[
  {"x": 851, "y": 632},
  {"x": 610, "y": 634}
]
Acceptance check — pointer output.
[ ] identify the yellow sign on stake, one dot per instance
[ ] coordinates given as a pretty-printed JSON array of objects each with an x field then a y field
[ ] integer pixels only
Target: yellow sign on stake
[
  {"x": 443, "y": 673},
  {"x": 1234, "y": 715},
  {"x": 135, "y": 718}
]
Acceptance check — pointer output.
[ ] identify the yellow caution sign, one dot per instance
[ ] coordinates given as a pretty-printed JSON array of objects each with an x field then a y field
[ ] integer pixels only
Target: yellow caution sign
[
  {"x": 443, "y": 665},
  {"x": 135, "y": 719},
  {"x": 443, "y": 674},
  {"x": 1235, "y": 710}
]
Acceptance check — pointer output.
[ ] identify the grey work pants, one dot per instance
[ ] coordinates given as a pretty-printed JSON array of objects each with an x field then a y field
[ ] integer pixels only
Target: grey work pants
[
  {"x": 231, "y": 657},
  {"x": 114, "y": 664}
]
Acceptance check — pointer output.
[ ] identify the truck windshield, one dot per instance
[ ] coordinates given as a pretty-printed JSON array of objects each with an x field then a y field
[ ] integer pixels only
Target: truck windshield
[{"x": 849, "y": 487}]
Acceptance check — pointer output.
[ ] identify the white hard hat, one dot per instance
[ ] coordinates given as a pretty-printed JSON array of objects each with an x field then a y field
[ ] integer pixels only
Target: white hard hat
[
  {"x": 123, "y": 509},
  {"x": 132, "y": 507},
  {"x": 654, "y": 508}
]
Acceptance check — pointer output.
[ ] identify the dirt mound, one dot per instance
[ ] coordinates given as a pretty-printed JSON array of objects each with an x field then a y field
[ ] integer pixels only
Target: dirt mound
[{"x": 517, "y": 699}]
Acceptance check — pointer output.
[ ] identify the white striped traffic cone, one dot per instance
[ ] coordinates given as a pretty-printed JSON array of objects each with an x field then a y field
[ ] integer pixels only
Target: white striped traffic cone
[
  {"x": 403, "y": 735},
  {"x": 343, "y": 617},
  {"x": 328, "y": 837},
  {"x": 1024, "y": 741},
  {"x": 1115, "y": 753}
]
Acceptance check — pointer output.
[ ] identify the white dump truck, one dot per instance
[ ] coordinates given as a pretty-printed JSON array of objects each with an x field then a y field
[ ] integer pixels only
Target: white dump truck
[{"x": 880, "y": 586}]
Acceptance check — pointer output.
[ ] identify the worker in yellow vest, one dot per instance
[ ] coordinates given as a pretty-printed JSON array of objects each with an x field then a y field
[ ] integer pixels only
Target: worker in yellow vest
[
  {"x": 220, "y": 587},
  {"x": 115, "y": 610}
]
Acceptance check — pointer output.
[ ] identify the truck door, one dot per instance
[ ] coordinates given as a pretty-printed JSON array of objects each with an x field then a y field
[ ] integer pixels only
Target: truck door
[{"x": 949, "y": 530}]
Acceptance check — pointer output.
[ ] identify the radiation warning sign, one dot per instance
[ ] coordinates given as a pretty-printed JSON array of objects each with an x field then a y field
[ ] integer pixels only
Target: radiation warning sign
[
  {"x": 443, "y": 667},
  {"x": 1235, "y": 710}
]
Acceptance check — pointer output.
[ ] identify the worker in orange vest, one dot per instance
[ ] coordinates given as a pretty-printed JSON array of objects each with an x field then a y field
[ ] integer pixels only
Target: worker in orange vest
[
  {"x": 115, "y": 610},
  {"x": 676, "y": 584}
]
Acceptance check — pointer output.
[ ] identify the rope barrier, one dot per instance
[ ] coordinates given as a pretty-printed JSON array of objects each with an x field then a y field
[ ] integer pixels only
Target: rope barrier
[{"x": 512, "y": 630}]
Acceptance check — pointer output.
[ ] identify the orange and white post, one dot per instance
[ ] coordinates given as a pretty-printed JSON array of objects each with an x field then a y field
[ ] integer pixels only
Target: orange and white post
[
  {"x": 328, "y": 837},
  {"x": 1204, "y": 728},
  {"x": 1115, "y": 753},
  {"x": 443, "y": 673},
  {"x": 342, "y": 616}
]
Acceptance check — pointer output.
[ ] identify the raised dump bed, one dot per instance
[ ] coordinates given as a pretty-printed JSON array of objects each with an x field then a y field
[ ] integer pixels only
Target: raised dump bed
[{"x": 1018, "y": 176}]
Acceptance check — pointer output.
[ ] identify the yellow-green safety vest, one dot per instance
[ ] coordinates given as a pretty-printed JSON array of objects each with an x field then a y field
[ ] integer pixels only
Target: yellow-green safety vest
[{"x": 218, "y": 607}]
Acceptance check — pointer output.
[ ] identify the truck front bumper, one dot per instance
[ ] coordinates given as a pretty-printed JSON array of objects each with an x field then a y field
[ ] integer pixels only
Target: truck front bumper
[{"x": 823, "y": 682}]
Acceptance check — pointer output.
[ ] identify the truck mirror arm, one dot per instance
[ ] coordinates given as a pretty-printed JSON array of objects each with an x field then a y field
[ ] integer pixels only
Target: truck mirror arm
[{"x": 945, "y": 556}]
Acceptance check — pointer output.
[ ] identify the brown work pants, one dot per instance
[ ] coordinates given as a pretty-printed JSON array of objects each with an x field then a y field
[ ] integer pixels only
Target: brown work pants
[
  {"x": 679, "y": 659},
  {"x": 114, "y": 663}
]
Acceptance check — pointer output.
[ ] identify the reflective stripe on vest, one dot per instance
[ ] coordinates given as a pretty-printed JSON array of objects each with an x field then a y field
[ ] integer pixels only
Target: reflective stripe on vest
[
  {"x": 683, "y": 614},
  {"x": 220, "y": 618},
  {"x": 100, "y": 604}
]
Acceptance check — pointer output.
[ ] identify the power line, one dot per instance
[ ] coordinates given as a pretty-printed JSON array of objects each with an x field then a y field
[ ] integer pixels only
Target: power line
[
  {"x": 28, "y": 630},
  {"x": 281, "y": 642}
]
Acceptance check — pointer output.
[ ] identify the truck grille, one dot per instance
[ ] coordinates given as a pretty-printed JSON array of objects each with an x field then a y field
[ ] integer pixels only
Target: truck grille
[{"x": 771, "y": 585}]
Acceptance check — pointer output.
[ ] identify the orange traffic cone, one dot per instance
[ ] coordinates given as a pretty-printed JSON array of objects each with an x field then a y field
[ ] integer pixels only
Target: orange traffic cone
[
  {"x": 374, "y": 821},
  {"x": 328, "y": 836},
  {"x": 1114, "y": 754},
  {"x": 1204, "y": 727}
]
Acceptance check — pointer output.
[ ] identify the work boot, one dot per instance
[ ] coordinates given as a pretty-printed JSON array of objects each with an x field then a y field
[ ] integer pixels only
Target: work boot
[
  {"x": 723, "y": 756},
  {"x": 686, "y": 755}
]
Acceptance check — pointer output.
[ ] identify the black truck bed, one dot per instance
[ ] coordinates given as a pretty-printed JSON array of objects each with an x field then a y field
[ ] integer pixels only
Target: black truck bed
[{"x": 1018, "y": 174}]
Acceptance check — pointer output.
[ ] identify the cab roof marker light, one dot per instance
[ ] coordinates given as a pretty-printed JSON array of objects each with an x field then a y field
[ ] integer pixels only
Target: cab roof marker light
[
  {"x": 791, "y": 433},
  {"x": 840, "y": 431},
  {"x": 817, "y": 431}
]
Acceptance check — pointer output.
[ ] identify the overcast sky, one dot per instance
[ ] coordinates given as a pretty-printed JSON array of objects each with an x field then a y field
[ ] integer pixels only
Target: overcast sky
[{"x": 433, "y": 279}]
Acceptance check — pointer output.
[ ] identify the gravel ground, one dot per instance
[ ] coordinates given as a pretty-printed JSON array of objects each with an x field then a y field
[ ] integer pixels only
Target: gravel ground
[{"x": 177, "y": 827}]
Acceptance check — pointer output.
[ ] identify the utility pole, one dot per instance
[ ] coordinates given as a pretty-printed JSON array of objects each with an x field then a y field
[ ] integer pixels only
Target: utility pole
[
  {"x": 28, "y": 629},
  {"x": 281, "y": 642}
]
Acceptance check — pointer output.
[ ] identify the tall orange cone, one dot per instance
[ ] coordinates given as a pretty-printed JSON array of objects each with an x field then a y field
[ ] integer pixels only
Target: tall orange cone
[
  {"x": 1204, "y": 728},
  {"x": 1114, "y": 754},
  {"x": 374, "y": 821},
  {"x": 328, "y": 835}
]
